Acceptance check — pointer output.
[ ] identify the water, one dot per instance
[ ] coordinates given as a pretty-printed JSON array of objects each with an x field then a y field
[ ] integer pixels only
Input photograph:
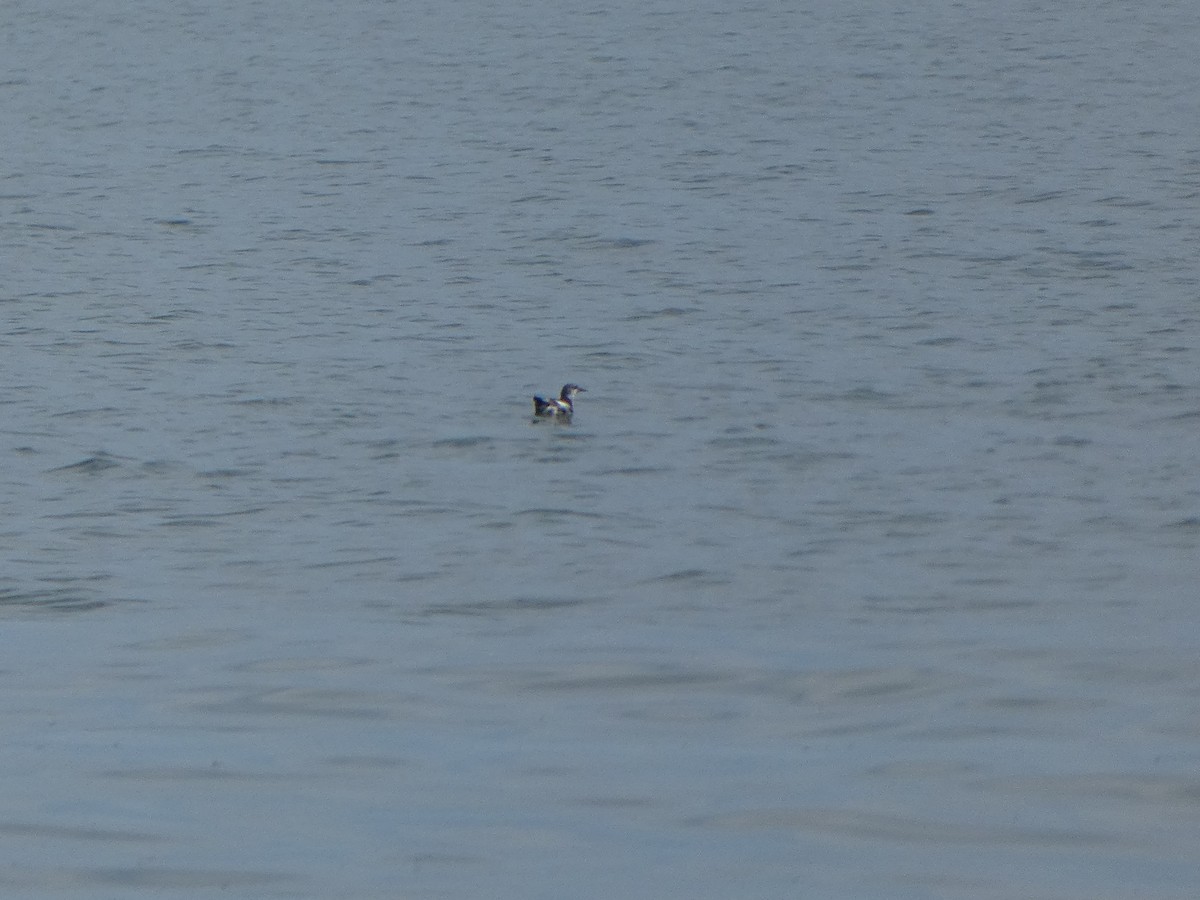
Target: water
[{"x": 868, "y": 568}]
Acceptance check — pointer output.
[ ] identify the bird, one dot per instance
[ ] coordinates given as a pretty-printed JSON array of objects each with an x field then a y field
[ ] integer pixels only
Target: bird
[{"x": 561, "y": 409}]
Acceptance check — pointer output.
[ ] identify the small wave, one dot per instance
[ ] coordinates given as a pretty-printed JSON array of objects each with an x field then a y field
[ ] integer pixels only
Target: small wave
[
  {"x": 52, "y": 599},
  {"x": 92, "y": 465}
]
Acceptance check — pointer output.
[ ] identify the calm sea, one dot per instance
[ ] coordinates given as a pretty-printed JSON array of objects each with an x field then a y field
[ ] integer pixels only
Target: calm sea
[{"x": 868, "y": 569}]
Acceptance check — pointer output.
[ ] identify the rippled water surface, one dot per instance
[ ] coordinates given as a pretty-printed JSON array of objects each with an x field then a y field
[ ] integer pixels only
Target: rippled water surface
[{"x": 868, "y": 567}]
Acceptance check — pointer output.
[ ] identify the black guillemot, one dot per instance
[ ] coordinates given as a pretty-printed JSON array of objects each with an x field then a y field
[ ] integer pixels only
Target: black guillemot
[{"x": 561, "y": 409}]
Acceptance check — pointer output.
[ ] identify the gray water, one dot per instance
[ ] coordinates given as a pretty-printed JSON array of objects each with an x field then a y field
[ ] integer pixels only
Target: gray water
[{"x": 868, "y": 568}]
